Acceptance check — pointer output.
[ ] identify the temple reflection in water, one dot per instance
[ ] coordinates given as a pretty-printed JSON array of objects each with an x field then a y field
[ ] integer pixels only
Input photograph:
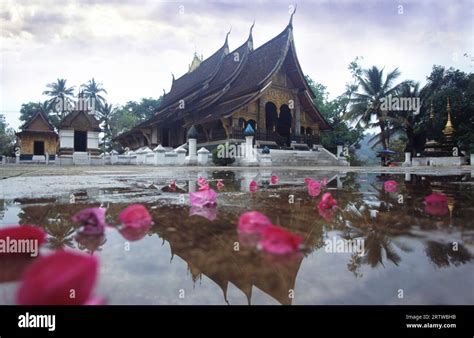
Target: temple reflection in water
[{"x": 210, "y": 246}]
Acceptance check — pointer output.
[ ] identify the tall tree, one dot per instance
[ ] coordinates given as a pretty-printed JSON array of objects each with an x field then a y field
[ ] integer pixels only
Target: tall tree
[
  {"x": 27, "y": 110},
  {"x": 458, "y": 86},
  {"x": 60, "y": 96},
  {"x": 144, "y": 109},
  {"x": 7, "y": 138},
  {"x": 105, "y": 117},
  {"x": 92, "y": 91},
  {"x": 366, "y": 105},
  {"x": 406, "y": 122},
  {"x": 334, "y": 110}
]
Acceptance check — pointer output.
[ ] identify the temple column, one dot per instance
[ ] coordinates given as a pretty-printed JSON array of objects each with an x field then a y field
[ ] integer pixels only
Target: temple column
[
  {"x": 261, "y": 115},
  {"x": 227, "y": 124},
  {"x": 297, "y": 128}
]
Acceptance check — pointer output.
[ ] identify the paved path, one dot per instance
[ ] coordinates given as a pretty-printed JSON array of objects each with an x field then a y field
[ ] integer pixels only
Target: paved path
[{"x": 12, "y": 170}]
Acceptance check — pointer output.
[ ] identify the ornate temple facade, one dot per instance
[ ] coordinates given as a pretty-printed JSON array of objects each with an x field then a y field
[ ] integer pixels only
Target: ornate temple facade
[{"x": 221, "y": 95}]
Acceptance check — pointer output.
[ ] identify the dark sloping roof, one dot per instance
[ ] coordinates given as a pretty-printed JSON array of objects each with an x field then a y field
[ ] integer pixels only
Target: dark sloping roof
[
  {"x": 195, "y": 79},
  {"x": 230, "y": 65},
  {"x": 38, "y": 114},
  {"x": 248, "y": 76},
  {"x": 224, "y": 108},
  {"x": 80, "y": 119},
  {"x": 220, "y": 85},
  {"x": 260, "y": 66}
]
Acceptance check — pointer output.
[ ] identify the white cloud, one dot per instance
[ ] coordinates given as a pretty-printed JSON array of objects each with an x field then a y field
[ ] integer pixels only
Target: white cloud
[{"x": 133, "y": 48}]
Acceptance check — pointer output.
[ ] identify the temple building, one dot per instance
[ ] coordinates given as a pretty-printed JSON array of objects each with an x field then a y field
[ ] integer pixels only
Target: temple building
[
  {"x": 37, "y": 139},
  {"x": 221, "y": 95},
  {"x": 79, "y": 137}
]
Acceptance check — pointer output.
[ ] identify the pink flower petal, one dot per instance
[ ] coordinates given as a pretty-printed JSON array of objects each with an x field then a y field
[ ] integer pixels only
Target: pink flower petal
[
  {"x": 253, "y": 222},
  {"x": 201, "y": 181},
  {"x": 220, "y": 184},
  {"x": 13, "y": 266},
  {"x": 390, "y": 186},
  {"x": 203, "y": 198},
  {"x": 95, "y": 301},
  {"x": 436, "y": 204},
  {"x": 204, "y": 187},
  {"x": 207, "y": 212},
  {"x": 62, "y": 278},
  {"x": 436, "y": 198},
  {"x": 135, "y": 216},
  {"x": 314, "y": 188},
  {"x": 277, "y": 240},
  {"x": 327, "y": 214},
  {"x": 274, "y": 179},
  {"x": 327, "y": 201},
  {"x": 172, "y": 185},
  {"x": 324, "y": 181},
  {"x": 253, "y": 187},
  {"x": 22, "y": 232},
  {"x": 133, "y": 234},
  {"x": 92, "y": 219},
  {"x": 436, "y": 210}
]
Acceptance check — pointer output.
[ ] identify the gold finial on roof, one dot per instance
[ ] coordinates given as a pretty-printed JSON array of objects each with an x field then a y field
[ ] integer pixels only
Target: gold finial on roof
[{"x": 195, "y": 63}]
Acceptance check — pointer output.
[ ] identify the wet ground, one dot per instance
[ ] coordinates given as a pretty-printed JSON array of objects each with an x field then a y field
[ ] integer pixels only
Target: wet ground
[{"x": 413, "y": 255}]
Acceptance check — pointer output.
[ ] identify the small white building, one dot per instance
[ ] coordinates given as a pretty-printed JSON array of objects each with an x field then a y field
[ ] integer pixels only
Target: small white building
[{"x": 79, "y": 139}]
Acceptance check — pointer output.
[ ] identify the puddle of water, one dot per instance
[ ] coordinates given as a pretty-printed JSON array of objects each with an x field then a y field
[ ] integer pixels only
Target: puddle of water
[{"x": 190, "y": 259}]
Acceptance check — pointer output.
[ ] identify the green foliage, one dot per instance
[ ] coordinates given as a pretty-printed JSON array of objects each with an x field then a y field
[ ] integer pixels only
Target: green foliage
[
  {"x": 398, "y": 145},
  {"x": 334, "y": 110},
  {"x": 459, "y": 88},
  {"x": 59, "y": 91},
  {"x": 7, "y": 138},
  {"x": 144, "y": 109},
  {"x": 366, "y": 104},
  {"x": 105, "y": 115},
  {"x": 221, "y": 161},
  {"x": 92, "y": 91},
  {"x": 27, "y": 111}
]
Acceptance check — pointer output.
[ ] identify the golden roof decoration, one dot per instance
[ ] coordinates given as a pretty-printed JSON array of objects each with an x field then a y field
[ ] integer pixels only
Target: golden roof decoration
[{"x": 448, "y": 128}]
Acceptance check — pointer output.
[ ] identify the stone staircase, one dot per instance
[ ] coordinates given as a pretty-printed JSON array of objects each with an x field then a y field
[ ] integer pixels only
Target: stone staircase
[{"x": 320, "y": 157}]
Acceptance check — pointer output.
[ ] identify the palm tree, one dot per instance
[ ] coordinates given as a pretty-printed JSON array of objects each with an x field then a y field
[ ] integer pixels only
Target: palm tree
[
  {"x": 406, "y": 121},
  {"x": 105, "y": 116},
  {"x": 367, "y": 104},
  {"x": 61, "y": 96},
  {"x": 92, "y": 91}
]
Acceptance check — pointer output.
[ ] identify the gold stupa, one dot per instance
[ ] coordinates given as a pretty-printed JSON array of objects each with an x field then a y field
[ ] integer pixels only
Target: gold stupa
[{"x": 448, "y": 130}]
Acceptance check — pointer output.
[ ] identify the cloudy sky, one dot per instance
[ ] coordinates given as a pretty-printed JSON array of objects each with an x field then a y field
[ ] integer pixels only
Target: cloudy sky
[{"x": 133, "y": 48}]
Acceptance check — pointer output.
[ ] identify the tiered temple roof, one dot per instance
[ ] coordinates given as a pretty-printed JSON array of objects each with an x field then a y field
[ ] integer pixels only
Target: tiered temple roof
[{"x": 228, "y": 80}]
